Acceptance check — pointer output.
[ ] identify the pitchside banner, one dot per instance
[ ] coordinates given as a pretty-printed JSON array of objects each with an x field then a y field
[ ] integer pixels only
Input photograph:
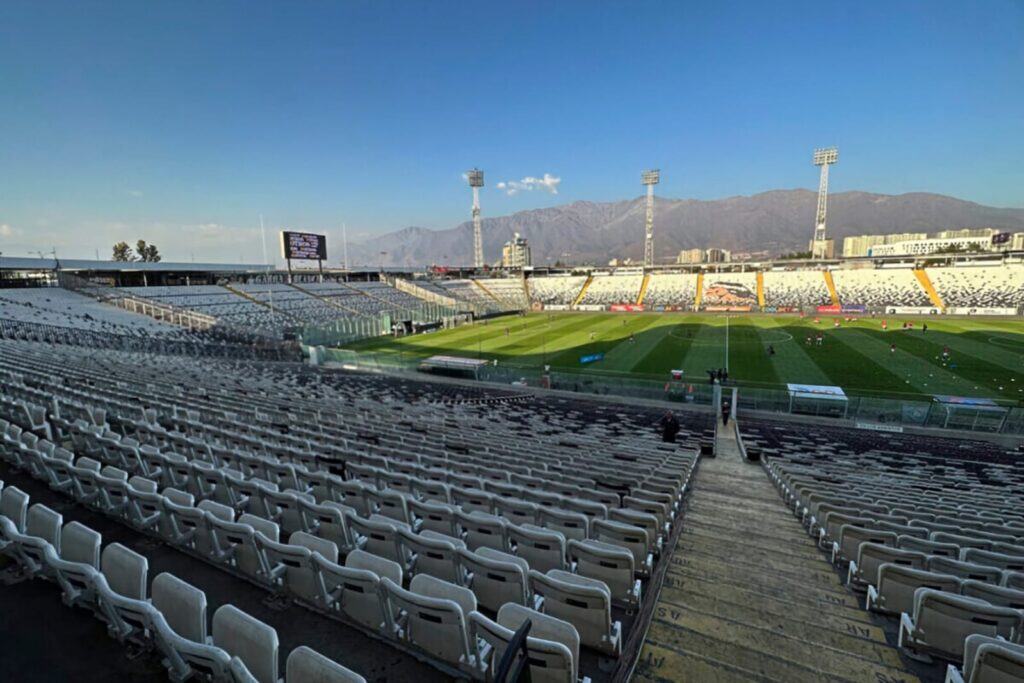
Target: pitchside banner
[
  {"x": 728, "y": 309},
  {"x": 831, "y": 308},
  {"x": 555, "y": 307},
  {"x": 626, "y": 307},
  {"x": 854, "y": 308},
  {"x": 912, "y": 310},
  {"x": 960, "y": 310},
  {"x": 590, "y": 307}
]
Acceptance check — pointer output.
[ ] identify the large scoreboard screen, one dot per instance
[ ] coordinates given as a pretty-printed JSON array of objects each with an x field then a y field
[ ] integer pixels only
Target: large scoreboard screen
[{"x": 304, "y": 245}]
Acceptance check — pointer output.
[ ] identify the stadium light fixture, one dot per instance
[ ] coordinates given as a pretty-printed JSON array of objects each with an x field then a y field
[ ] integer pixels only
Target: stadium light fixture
[
  {"x": 650, "y": 179},
  {"x": 823, "y": 157},
  {"x": 475, "y": 178}
]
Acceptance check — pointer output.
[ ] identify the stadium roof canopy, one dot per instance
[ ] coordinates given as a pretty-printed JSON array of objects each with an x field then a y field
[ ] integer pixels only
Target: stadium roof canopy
[
  {"x": 25, "y": 263},
  {"x": 32, "y": 263}
]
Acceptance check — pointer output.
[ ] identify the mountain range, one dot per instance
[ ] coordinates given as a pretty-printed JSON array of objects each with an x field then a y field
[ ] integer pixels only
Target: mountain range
[{"x": 778, "y": 221}]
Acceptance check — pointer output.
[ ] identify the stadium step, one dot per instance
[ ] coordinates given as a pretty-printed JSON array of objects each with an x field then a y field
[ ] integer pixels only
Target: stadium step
[
  {"x": 254, "y": 300},
  {"x": 583, "y": 291},
  {"x": 483, "y": 288},
  {"x": 831, "y": 287},
  {"x": 643, "y": 289},
  {"x": 326, "y": 300},
  {"x": 389, "y": 305},
  {"x": 929, "y": 288},
  {"x": 747, "y": 597}
]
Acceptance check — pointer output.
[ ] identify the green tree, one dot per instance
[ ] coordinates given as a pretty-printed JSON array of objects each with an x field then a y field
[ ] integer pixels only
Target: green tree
[
  {"x": 147, "y": 252},
  {"x": 795, "y": 255},
  {"x": 122, "y": 252}
]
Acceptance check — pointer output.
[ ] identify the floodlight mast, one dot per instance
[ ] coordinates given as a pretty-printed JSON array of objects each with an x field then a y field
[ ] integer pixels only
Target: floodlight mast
[
  {"x": 824, "y": 158},
  {"x": 476, "y": 181},
  {"x": 650, "y": 179}
]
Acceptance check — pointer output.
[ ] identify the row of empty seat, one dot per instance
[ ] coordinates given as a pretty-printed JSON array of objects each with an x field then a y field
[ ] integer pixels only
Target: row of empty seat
[
  {"x": 429, "y": 508},
  {"x": 167, "y": 614},
  {"x": 936, "y": 542},
  {"x": 962, "y": 286}
]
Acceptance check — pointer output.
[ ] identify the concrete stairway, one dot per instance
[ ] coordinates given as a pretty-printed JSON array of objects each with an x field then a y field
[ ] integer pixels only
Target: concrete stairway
[{"x": 748, "y": 597}]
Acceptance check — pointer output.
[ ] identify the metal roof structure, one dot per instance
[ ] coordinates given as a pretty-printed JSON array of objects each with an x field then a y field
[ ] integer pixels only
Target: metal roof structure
[{"x": 33, "y": 263}]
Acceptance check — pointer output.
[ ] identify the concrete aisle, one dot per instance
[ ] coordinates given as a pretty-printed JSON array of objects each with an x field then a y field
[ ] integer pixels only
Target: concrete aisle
[{"x": 747, "y": 597}]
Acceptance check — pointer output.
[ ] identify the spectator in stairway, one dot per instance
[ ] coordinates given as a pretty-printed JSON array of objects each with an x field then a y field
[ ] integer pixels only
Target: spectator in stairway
[
  {"x": 726, "y": 411},
  {"x": 669, "y": 426}
]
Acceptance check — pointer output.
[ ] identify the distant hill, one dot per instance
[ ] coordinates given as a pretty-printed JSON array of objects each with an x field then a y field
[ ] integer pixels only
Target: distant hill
[{"x": 778, "y": 221}]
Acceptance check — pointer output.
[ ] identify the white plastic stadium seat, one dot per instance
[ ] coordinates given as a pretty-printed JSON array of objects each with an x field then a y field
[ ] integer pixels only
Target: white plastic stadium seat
[
  {"x": 249, "y": 639},
  {"x": 433, "y": 616},
  {"x": 584, "y": 603},
  {"x": 553, "y": 645},
  {"x": 305, "y": 665},
  {"x": 989, "y": 660},
  {"x": 894, "y": 591},
  {"x": 941, "y": 621}
]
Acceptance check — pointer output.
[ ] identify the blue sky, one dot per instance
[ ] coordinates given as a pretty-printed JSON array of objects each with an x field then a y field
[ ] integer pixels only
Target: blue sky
[{"x": 181, "y": 122}]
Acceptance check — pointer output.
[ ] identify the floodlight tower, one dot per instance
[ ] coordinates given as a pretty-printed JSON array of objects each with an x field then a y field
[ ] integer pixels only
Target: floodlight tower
[
  {"x": 822, "y": 157},
  {"x": 650, "y": 179},
  {"x": 476, "y": 181}
]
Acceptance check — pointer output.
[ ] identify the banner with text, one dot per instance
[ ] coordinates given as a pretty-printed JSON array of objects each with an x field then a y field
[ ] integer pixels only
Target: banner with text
[
  {"x": 728, "y": 309},
  {"x": 963, "y": 310},
  {"x": 912, "y": 310}
]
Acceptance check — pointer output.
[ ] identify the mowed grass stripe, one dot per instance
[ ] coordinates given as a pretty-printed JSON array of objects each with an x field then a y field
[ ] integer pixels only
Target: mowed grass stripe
[
  {"x": 671, "y": 349},
  {"x": 748, "y": 350},
  {"x": 855, "y": 356},
  {"x": 647, "y": 331},
  {"x": 607, "y": 331},
  {"x": 845, "y": 365},
  {"x": 924, "y": 376},
  {"x": 791, "y": 362},
  {"x": 707, "y": 350},
  {"x": 973, "y": 369},
  {"x": 996, "y": 347},
  {"x": 556, "y": 335}
]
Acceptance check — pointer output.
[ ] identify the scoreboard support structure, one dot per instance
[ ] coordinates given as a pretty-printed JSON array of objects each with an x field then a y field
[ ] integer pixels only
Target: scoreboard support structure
[{"x": 319, "y": 264}]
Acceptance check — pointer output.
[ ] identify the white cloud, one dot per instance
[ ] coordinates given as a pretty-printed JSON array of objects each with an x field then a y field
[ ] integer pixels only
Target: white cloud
[
  {"x": 135, "y": 193},
  {"x": 7, "y": 231},
  {"x": 548, "y": 183}
]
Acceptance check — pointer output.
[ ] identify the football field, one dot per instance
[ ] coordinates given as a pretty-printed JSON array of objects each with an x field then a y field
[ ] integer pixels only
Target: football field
[{"x": 986, "y": 356}]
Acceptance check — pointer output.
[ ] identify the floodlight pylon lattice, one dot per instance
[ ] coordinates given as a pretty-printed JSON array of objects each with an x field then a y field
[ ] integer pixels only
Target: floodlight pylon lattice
[
  {"x": 476, "y": 181},
  {"x": 824, "y": 158},
  {"x": 650, "y": 179}
]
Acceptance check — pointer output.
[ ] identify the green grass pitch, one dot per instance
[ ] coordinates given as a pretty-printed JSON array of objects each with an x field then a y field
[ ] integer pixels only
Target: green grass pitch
[{"x": 986, "y": 356}]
